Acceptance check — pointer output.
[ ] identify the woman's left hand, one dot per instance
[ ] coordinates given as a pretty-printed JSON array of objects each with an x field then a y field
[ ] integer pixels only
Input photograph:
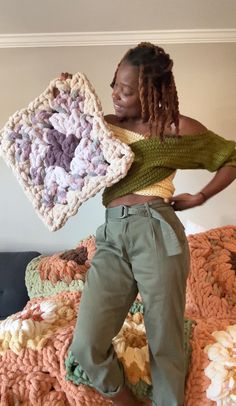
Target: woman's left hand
[{"x": 186, "y": 201}]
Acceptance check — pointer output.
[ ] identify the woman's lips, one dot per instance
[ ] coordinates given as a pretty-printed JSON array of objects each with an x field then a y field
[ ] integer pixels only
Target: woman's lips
[{"x": 117, "y": 107}]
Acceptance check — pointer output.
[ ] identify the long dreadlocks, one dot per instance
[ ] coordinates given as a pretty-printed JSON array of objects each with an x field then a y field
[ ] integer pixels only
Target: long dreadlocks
[{"x": 157, "y": 90}]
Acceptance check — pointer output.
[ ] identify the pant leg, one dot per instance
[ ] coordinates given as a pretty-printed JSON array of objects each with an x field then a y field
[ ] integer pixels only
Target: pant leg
[
  {"x": 162, "y": 283},
  {"x": 109, "y": 291}
]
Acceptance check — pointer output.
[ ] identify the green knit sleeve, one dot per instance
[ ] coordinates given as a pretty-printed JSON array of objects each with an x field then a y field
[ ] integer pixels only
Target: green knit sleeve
[
  {"x": 204, "y": 151},
  {"x": 232, "y": 160},
  {"x": 222, "y": 152}
]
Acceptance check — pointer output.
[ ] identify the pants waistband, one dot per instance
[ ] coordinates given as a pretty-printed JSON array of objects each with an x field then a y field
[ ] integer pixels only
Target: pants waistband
[
  {"x": 123, "y": 211},
  {"x": 150, "y": 209}
]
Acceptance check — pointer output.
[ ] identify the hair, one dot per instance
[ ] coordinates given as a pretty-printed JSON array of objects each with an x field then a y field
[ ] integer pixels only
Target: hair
[{"x": 157, "y": 90}]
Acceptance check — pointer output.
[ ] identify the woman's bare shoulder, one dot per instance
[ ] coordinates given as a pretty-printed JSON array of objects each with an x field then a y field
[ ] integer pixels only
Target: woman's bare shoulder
[{"x": 190, "y": 126}]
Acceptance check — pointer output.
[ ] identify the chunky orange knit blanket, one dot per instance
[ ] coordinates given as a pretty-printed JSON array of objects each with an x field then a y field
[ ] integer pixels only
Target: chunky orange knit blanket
[{"x": 34, "y": 342}]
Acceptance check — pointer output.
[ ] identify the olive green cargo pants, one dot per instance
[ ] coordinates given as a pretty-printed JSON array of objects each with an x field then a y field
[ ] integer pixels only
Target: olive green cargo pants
[{"x": 139, "y": 248}]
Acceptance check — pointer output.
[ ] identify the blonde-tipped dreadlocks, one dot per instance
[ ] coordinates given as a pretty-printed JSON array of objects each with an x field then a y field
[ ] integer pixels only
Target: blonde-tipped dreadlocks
[{"x": 157, "y": 90}]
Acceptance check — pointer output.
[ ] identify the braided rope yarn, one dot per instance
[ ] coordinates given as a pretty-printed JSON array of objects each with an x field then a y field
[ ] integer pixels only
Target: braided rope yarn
[{"x": 61, "y": 150}]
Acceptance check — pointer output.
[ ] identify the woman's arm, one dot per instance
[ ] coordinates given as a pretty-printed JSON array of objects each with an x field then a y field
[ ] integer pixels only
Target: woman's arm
[{"x": 223, "y": 178}]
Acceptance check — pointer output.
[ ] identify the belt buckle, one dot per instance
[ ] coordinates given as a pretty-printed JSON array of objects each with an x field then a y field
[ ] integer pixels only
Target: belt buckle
[{"x": 124, "y": 212}]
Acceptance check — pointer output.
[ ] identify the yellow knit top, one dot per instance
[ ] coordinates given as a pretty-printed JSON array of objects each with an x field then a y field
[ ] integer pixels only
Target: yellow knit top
[{"x": 164, "y": 188}]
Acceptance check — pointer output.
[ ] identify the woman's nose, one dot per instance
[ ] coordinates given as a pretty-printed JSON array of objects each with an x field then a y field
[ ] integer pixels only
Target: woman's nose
[{"x": 115, "y": 94}]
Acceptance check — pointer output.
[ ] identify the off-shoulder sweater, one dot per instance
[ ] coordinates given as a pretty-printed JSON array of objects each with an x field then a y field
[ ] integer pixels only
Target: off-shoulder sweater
[{"x": 156, "y": 160}]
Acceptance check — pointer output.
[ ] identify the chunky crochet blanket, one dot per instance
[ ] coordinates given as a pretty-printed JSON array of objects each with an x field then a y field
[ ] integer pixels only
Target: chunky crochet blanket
[
  {"x": 61, "y": 150},
  {"x": 36, "y": 369},
  {"x": 64, "y": 271},
  {"x": 211, "y": 302}
]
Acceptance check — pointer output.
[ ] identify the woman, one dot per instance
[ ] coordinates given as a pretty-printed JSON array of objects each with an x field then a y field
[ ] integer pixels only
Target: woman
[{"x": 142, "y": 246}]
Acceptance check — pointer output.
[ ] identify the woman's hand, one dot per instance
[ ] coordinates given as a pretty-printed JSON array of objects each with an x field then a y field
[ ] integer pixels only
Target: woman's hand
[
  {"x": 186, "y": 201},
  {"x": 223, "y": 177}
]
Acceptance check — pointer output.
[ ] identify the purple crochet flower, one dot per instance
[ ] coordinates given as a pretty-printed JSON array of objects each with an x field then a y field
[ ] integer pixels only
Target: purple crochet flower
[{"x": 61, "y": 149}]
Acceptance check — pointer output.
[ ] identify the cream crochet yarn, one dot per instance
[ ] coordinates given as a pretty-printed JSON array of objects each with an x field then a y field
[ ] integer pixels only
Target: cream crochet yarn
[{"x": 61, "y": 150}]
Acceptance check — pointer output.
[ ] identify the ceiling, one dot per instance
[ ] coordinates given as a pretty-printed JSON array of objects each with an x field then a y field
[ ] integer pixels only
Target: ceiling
[{"x": 54, "y": 16}]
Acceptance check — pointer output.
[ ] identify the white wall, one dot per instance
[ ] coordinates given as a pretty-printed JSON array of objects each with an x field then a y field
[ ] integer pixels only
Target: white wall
[{"x": 206, "y": 80}]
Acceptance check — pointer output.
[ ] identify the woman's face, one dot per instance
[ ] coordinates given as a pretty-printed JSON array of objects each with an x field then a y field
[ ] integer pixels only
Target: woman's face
[{"x": 125, "y": 92}]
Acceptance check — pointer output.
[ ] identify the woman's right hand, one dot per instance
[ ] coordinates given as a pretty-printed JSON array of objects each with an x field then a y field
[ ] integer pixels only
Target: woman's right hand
[{"x": 186, "y": 201}]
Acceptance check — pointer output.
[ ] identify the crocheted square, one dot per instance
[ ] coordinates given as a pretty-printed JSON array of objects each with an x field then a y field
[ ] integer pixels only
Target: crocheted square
[
  {"x": 211, "y": 285},
  {"x": 60, "y": 272},
  {"x": 61, "y": 149},
  {"x": 198, "y": 384}
]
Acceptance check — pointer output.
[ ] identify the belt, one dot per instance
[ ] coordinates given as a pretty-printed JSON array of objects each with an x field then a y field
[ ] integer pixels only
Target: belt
[{"x": 170, "y": 239}]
